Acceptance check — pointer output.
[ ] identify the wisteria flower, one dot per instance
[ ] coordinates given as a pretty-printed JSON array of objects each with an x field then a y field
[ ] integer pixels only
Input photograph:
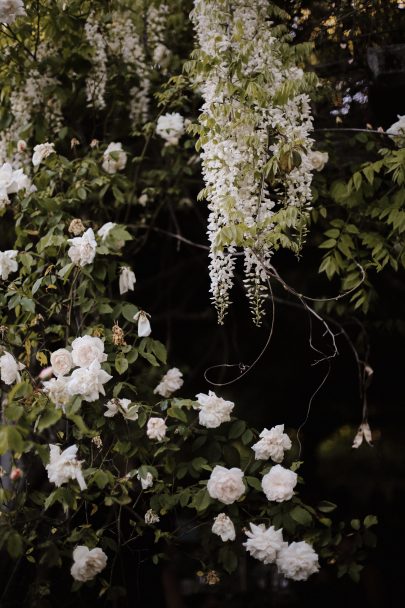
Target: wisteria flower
[
  {"x": 88, "y": 382},
  {"x": 83, "y": 248},
  {"x": 144, "y": 328},
  {"x": 171, "y": 382},
  {"x": 10, "y": 10},
  {"x": 87, "y": 563},
  {"x": 263, "y": 543},
  {"x": 87, "y": 349},
  {"x": 156, "y": 429},
  {"x": 114, "y": 158},
  {"x": 122, "y": 406},
  {"x": 42, "y": 151},
  {"x": 279, "y": 483},
  {"x": 272, "y": 444},
  {"x": 127, "y": 279},
  {"x": 297, "y": 561},
  {"x": 61, "y": 362},
  {"x": 10, "y": 368},
  {"x": 170, "y": 127},
  {"x": 226, "y": 485},
  {"x": 64, "y": 466},
  {"x": 8, "y": 263},
  {"x": 213, "y": 410},
  {"x": 223, "y": 527}
]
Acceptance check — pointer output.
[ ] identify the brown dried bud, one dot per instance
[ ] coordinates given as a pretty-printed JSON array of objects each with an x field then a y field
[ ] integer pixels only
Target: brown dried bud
[
  {"x": 212, "y": 578},
  {"x": 97, "y": 441},
  {"x": 118, "y": 337},
  {"x": 15, "y": 474},
  {"x": 74, "y": 142},
  {"x": 76, "y": 227},
  {"x": 94, "y": 143}
]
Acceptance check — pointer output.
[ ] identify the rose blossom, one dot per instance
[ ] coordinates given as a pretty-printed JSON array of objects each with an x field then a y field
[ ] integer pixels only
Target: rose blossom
[
  {"x": 127, "y": 280},
  {"x": 83, "y": 248},
  {"x": 88, "y": 382},
  {"x": 226, "y": 485},
  {"x": 114, "y": 158},
  {"x": 264, "y": 543},
  {"x": 87, "y": 563},
  {"x": 156, "y": 429},
  {"x": 318, "y": 159},
  {"x": 122, "y": 406},
  {"x": 64, "y": 466},
  {"x": 171, "y": 382},
  {"x": 10, "y": 368},
  {"x": 61, "y": 361},
  {"x": 297, "y": 561},
  {"x": 223, "y": 527},
  {"x": 170, "y": 127},
  {"x": 213, "y": 410},
  {"x": 105, "y": 230},
  {"x": 8, "y": 263},
  {"x": 42, "y": 151},
  {"x": 272, "y": 444},
  {"x": 87, "y": 349},
  {"x": 144, "y": 328},
  {"x": 56, "y": 389},
  {"x": 279, "y": 483}
]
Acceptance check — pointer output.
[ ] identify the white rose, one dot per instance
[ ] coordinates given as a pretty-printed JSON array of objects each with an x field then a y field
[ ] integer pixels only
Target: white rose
[
  {"x": 10, "y": 369},
  {"x": 105, "y": 230},
  {"x": 42, "y": 151},
  {"x": 264, "y": 543},
  {"x": 114, "y": 157},
  {"x": 61, "y": 361},
  {"x": 87, "y": 563},
  {"x": 170, "y": 127},
  {"x": 279, "y": 483},
  {"x": 83, "y": 248},
  {"x": 272, "y": 444},
  {"x": 8, "y": 263},
  {"x": 127, "y": 280},
  {"x": 297, "y": 561},
  {"x": 226, "y": 485},
  {"x": 12, "y": 181},
  {"x": 318, "y": 159},
  {"x": 87, "y": 349},
  {"x": 10, "y": 10},
  {"x": 122, "y": 406},
  {"x": 88, "y": 382},
  {"x": 397, "y": 131},
  {"x": 223, "y": 527},
  {"x": 56, "y": 389},
  {"x": 213, "y": 410},
  {"x": 156, "y": 429},
  {"x": 64, "y": 466},
  {"x": 144, "y": 328},
  {"x": 147, "y": 481},
  {"x": 171, "y": 382}
]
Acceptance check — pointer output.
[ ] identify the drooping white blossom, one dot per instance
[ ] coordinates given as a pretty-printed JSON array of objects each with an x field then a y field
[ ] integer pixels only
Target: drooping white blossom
[
  {"x": 61, "y": 362},
  {"x": 156, "y": 429},
  {"x": 11, "y": 182},
  {"x": 122, "y": 406},
  {"x": 114, "y": 158},
  {"x": 170, "y": 127},
  {"x": 297, "y": 561},
  {"x": 88, "y": 382},
  {"x": 105, "y": 230},
  {"x": 144, "y": 328},
  {"x": 8, "y": 263},
  {"x": 397, "y": 131},
  {"x": 226, "y": 485},
  {"x": 127, "y": 280},
  {"x": 151, "y": 517},
  {"x": 10, "y": 10},
  {"x": 86, "y": 350},
  {"x": 96, "y": 81},
  {"x": 56, "y": 389},
  {"x": 83, "y": 248},
  {"x": 363, "y": 433},
  {"x": 223, "y": 527},
  {"x": 273, "y": 444},
  {"x": 318, "y": 159},
  {"x": 147, "y": 481},
  {"x": 279, "y": 483},
  {"x": 213, "y": 410},
  {"x": 64, "y": 466},
  {"x": 171, "y": 382},
  {"x": 10, "y": 368},
  {"x": 42, "y": 151},
  {"x": 87, "y": 563},
  {"x": 263, "y": 543}
]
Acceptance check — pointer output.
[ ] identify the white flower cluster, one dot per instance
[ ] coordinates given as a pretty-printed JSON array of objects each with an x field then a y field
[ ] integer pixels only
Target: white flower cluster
[
  {"x": 10, "y": 10},
  {"x": 96, "y": 81},
  {"x": 213, "y": 410},
  {"x": 171, "y": 382},
  {"x": 87, "y": 380},
  {"x": 273, "y": 444},
  {"x": 11, "y": 182},
  {"x": 243, "y": 127}
]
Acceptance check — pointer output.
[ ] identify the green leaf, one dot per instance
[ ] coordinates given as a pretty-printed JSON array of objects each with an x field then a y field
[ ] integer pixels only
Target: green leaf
[
  {"x": 237, "y": 429},
  {"x": 370, "y": 520},
  {"x": 301, "y": 516},
  {"x": 253, "y": 482},
  {"x": 326, "y": 507},
  {"x": 121, "y": 364},
  {"x": 14, "y": 544},
  {"x": 48, "y": 418}
]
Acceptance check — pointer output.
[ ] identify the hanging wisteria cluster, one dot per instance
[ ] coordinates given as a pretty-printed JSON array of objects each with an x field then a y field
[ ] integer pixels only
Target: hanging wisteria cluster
[{"x": 254, "y": 131}]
